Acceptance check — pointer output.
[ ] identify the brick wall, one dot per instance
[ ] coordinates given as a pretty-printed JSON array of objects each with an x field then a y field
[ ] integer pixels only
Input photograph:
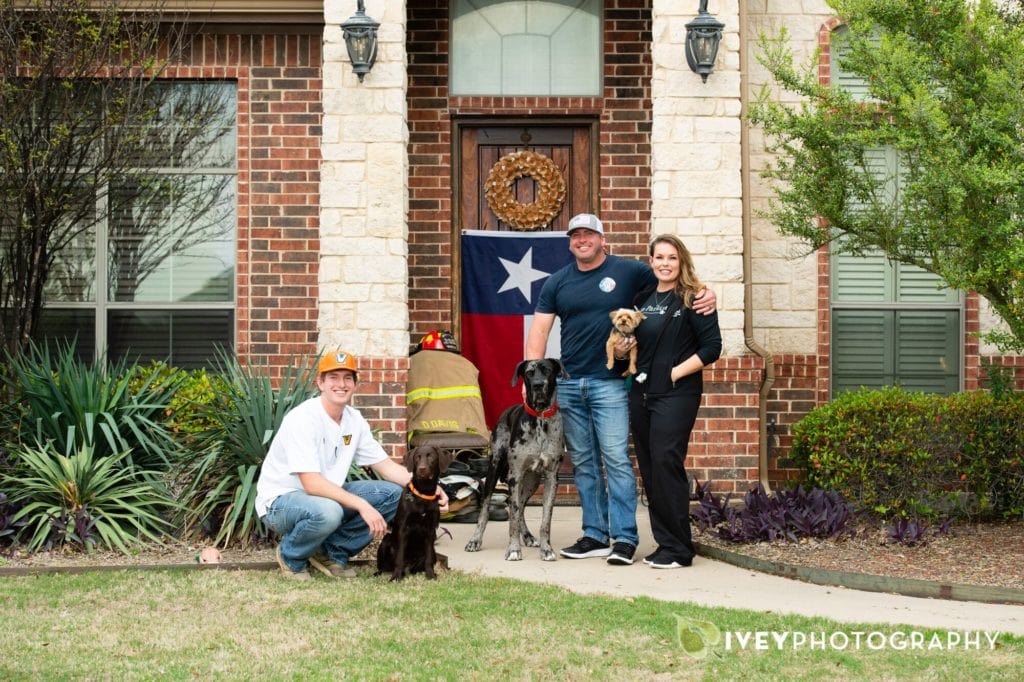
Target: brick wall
[
  {"x": 279, "y": 84},
  {"x": 724, "y": 444},
  {"x": 381, "y": 400}
]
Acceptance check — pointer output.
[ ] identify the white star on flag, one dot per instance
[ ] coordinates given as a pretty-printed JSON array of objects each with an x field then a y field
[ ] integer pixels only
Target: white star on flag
[{"x": 521, "y": 275}]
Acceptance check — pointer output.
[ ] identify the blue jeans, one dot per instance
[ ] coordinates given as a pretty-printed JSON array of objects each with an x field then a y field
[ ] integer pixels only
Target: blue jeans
[
  {"x": 595, "y": 415},
  {"x": 307, "y": 522}
]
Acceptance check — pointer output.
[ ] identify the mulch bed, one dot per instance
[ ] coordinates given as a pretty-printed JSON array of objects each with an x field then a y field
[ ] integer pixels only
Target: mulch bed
[{"x": 983, "y": 554}]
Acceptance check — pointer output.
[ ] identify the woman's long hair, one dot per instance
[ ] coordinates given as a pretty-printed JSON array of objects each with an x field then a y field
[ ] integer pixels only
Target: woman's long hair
[{"x": 687, "y": 283}]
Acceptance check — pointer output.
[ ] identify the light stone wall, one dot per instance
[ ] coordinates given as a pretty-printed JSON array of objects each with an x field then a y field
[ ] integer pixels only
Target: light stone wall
[
  {"x": 364, "y": 189},
  {"x": 989, "y": 320},
  {"x": 785, "y": 274},
  {"x": 696, "y": 188}
]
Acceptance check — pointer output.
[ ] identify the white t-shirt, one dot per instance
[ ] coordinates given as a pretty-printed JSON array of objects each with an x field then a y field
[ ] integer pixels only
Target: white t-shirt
[{"x": 310, "y": 441}]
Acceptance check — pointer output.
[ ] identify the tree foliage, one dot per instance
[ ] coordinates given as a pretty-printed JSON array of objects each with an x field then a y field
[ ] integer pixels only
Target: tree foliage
[
  {"x": 945, "y": 90},
  {"x": 84, "y": 122}
]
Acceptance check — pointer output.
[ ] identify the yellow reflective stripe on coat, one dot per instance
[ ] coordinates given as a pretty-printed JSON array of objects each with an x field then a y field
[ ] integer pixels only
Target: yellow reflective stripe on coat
[{"x": 442, "y": 393}]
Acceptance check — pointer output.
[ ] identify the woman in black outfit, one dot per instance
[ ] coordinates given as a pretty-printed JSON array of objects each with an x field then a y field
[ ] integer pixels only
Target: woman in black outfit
[{"x": 674, "y": 346}]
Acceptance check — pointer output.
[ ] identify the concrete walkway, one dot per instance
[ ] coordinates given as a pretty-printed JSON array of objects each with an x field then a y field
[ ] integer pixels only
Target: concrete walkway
[{"x": 711, "y": 583}]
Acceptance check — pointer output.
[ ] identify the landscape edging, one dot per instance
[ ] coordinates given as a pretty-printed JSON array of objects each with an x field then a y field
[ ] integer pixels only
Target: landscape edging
[{"x": 910, "y": 587}]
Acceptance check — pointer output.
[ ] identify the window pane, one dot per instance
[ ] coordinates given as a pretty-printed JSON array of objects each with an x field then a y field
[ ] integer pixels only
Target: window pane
[
  {"x": 63, "y": 326},
  {"x": 172, "y": 239},
  {"x": 184, "y": 338},
  {"x": 193, "y": 125},
  {"x": 73, "y": 275},
  {"x": 204, "y": 125},
  {"x": 526, "y": 47}
]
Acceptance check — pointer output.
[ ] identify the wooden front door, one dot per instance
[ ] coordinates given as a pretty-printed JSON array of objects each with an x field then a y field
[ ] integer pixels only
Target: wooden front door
[{"x": 571, "y": 146}]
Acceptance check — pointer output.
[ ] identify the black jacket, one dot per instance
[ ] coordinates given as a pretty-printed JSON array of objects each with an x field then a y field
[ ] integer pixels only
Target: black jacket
[{"x": 683, "y": 334}]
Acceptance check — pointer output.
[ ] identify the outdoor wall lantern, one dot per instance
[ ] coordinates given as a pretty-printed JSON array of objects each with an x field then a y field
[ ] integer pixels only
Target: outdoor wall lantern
[
  {"x": 361, "y": 40},
  {"x": 703, "y": 35}
]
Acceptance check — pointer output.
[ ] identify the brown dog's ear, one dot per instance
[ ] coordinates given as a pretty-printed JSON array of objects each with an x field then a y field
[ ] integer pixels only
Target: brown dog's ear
[
  {"x": 520, "y": 369},
  {"x": 612, "y": 314},
  {"x": 444, "y": 458},
  {"x": 409, "y": 461}
]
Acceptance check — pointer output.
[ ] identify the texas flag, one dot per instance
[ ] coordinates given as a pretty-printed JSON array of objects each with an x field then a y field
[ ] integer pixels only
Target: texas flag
[{"x": 502, "y": 274}]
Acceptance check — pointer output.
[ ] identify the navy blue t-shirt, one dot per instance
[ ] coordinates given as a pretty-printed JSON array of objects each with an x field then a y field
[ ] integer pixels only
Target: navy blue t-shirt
[{"x": 582, "y": 301}]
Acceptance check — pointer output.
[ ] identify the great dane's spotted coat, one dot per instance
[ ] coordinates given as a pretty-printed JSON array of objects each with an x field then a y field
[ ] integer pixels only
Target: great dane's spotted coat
[{"x": 526, "y": 449}]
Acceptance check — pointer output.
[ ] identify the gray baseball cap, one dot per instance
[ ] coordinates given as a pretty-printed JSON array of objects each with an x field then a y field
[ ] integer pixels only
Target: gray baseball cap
[{"x": 585, "y": 220}]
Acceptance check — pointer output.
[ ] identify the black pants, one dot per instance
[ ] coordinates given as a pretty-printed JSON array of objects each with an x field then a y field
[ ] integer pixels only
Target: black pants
[{"x": 661, "y": 427}]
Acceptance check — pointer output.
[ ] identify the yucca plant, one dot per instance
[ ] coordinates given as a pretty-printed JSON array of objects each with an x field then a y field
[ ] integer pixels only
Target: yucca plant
[
  {"x": 72, "y": 404},
  {"x": 85, "y": 499},
  {"x": 219, "y": 475}
]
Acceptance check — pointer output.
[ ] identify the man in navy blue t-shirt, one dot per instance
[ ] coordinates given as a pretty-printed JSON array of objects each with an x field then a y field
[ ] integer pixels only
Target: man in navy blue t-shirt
[{"x": 593, "y": 400}]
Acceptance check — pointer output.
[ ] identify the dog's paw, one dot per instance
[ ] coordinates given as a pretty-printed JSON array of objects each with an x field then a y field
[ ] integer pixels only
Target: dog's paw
[
  {"x": 514, "y": 555},
  {"x": 473, "y": 546},
  {"x": 529, "y": 540},
  {"x": 548, "y": 555}
]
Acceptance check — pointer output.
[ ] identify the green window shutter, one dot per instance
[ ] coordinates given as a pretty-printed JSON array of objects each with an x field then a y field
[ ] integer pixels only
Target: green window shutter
[
  {"x": 857, "y": 279},
  {"x": 842, "y": 78},
  {"x": 917, "y": 349},
  {"x": 883, "y": 164},
  {"x": 927, "y": 350},
  {"x": 914, "y": 285},
  {"x": 862, "y": 349}
]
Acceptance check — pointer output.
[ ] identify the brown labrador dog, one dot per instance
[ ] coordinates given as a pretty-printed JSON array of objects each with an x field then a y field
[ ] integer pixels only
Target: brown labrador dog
[{"x": 409, "y": 546}]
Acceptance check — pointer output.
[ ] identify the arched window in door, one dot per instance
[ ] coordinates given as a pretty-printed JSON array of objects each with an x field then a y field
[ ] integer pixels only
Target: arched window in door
[{"x": 526, "y": 47}]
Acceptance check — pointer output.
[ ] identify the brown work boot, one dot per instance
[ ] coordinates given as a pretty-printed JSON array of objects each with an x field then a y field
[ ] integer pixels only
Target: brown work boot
[
  {"x": 288, "y": 572},
  {"x": 329, "y": 568}
]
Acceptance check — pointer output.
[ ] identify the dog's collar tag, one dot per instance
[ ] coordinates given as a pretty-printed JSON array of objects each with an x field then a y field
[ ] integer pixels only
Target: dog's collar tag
[
  {"x": 420, "y": 495},
  {"x": 546, "y": 414}
]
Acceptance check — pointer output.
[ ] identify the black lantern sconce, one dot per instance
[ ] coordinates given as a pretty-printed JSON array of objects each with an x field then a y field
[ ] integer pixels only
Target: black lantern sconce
[
  {"x": 703, "y": 36},
  {"x": 361, "y": 40}
]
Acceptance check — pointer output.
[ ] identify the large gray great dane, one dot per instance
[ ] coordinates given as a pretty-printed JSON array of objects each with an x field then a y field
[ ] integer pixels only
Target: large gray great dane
[{"x": 526, "y": 449}]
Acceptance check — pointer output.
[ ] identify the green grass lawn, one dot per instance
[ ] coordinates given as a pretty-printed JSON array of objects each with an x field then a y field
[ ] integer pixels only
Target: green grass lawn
[{"x": 257, "y": 625}]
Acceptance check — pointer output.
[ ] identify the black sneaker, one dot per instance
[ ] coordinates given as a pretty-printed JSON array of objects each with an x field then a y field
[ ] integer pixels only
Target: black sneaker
[
  {"x": 585, "y": 548},
  {"x": 649, "y": 559},
  {"x": 622, "y": 554},
  {"x": 666, "y": 562}
]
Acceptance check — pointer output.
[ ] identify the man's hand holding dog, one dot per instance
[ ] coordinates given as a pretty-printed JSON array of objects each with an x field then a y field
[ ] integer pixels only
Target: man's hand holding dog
[{"x": 622, "y": 347}]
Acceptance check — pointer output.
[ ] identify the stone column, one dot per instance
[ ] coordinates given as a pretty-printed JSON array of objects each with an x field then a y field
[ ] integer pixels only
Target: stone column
[
  {"x": 364, "y": 189},
  {"x": 695, "y": 155}
]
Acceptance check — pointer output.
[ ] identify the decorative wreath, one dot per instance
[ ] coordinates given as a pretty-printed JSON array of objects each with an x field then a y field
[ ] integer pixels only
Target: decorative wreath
[{"x": 550, "y": 190}]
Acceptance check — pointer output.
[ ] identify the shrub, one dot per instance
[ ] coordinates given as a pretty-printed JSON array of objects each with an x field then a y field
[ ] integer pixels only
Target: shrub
[
  {"x": 85, "y": 499},
  {"x": 196, "y": 389},
  {"x": 913, "y": 532},
  {"x": 219, "y": 474},
  {"x": 9, "y": 526},
  {"x": 784, "y": 515},
  {"x": 62, "y": 400},
  {"x": 913, "y": 455}
]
